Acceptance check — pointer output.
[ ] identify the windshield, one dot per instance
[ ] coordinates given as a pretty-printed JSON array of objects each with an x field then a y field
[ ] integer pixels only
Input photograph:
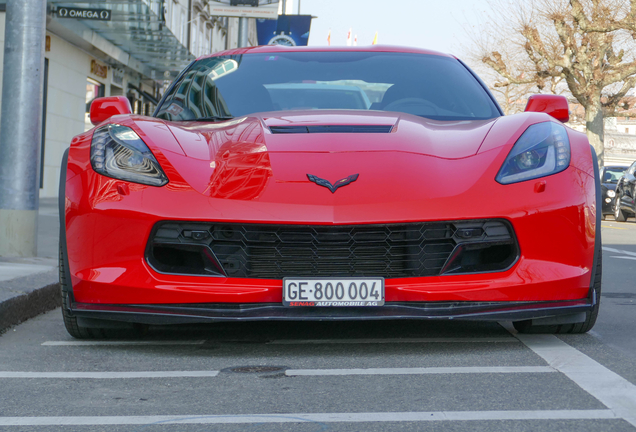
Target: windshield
[
  {"x": 431, "y": 86},
  {"x": 613, "y": 174}
]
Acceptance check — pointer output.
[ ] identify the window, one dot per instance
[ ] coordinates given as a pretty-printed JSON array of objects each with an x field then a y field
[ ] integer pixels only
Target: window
[
  {"x": 431, "y": 86},
  {"x": 184, "y": 27},
  {"x": 193, "y": 45}
]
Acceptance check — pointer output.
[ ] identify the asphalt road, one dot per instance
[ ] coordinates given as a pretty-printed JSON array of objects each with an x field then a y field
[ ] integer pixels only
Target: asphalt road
[{"x": 389, "y": 376}]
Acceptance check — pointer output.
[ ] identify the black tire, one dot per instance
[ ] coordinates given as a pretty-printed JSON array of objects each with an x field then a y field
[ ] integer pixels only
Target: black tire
[
  {"x": 583, "y": 327},
  {"x": 70, "y": 321},
  {"x": 618, "y": 213},
  {"x": 80, "y": 332}
]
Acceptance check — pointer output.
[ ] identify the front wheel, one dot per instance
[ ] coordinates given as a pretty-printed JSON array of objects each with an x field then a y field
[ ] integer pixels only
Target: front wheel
[
  {"x": 582, "y": 327},
  {"x": 71, "y": 323}
]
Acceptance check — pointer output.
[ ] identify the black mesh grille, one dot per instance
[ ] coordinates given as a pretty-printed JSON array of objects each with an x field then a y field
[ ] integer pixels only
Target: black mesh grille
[{"x": 277, "y": 251}]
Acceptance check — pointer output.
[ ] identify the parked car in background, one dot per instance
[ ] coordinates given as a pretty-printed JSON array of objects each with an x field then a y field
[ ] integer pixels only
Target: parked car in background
[
  {"x": 624, "y": 205},
  {"x": 609, "y": 179}
]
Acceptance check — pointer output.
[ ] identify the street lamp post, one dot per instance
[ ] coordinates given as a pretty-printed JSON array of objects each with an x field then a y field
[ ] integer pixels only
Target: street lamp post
[
  {"x": 21, "y": 126},
  {"x": 243, "y": 32}
]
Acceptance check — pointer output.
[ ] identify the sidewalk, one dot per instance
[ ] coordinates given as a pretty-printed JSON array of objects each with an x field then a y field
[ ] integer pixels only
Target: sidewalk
[{"x": 29, "y": 286}]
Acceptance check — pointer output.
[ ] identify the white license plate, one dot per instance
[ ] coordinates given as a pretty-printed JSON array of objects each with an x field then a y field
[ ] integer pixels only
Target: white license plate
[{"x": 343, "y": 292}]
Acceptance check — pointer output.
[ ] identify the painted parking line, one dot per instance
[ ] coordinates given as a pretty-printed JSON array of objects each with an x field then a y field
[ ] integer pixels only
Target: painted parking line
[
  {"x": 619, "y": 251},
  {"x": 110, "y": 342},
  {"x": 420, "y": 371},
  {"x": 615, "y": 392},
  {"x": 312, "y": 418},
  {"x": 391, "y": 341},
  {"x": 110, "y": 375},
  {"x": 625, "y": 257}
]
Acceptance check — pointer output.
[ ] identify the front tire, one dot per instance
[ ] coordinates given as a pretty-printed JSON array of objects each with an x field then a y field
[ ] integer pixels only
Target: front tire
[
  {"x": 80, "y": 332},
  {"x": 576, "y": 328},
  {"x": 70, "y": 321}
]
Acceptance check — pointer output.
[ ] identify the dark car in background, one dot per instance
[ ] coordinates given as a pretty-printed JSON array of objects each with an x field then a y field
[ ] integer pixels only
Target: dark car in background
[
  {"x": 609, "y": 179},
  {"x": 624, "y": 205}
]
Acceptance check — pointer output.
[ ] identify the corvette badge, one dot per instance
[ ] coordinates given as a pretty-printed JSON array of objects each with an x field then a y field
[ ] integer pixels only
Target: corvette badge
[{"x": 342, "y": 182}]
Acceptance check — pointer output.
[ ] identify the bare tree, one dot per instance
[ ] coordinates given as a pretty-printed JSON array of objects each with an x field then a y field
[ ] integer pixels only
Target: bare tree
[{"x": 587, "y": 43}]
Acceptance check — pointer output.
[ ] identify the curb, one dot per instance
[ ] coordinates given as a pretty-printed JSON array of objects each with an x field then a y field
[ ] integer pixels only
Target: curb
[{"x": 19, "y": 301}]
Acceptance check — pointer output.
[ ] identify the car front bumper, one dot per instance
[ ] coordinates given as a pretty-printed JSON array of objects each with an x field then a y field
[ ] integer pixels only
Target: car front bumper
[{"x": 207, "y": 313}]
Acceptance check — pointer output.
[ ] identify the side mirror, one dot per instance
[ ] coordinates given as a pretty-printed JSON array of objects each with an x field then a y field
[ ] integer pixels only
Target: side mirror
[
  {"x": 554, "y": 105},
  {"x": 105, "y": 107}
]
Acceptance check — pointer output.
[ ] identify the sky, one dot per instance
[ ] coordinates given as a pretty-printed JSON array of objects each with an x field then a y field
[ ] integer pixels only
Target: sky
[{"x": 439, "y": 25}]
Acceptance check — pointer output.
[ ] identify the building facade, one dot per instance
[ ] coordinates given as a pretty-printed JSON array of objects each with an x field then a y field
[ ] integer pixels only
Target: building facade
[{"x": 136, "y": 54}]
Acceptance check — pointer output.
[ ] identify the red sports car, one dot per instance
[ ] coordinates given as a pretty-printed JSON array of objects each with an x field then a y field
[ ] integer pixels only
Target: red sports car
[{"x": 324, "y": 183}]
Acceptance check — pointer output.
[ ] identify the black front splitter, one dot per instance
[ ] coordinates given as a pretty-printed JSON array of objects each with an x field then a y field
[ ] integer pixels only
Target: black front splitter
[{"x": 205, "y": 313}]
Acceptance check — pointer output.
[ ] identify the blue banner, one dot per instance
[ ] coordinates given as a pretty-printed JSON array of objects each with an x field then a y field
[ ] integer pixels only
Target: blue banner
[{"x": 291, "y": 30}]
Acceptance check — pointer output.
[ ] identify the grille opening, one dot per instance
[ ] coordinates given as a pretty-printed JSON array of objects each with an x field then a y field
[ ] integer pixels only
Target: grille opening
[
  {"x": 481, "y": 258},
  {"x": 263, "y": 251},
  {"x": 183, "y": 259}
]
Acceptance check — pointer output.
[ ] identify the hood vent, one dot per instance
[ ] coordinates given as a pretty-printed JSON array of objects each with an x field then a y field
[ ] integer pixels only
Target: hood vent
[{"x": 331, "y": 129}]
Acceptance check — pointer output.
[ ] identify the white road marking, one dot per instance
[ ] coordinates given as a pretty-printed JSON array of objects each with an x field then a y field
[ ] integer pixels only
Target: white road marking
[
  {"x": 625, "y": 257},
  {"x": 619, "y": 251},
  {"x": 611, "y": 389},
  {"x": 111, "y": 375},
  {"x": 420, "y": 371},
  {"x": 391, "y": 341},
  {"x": 97, "y": 343},
  {"x": 312, "y": 418}
]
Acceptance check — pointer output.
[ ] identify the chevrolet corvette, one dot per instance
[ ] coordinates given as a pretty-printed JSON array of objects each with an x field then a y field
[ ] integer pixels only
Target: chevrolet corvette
[{"x": 359, "y": 183}]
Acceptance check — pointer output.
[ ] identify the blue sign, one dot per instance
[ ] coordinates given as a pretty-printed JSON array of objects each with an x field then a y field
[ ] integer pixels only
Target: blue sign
[{"x": 290, "y": 30}]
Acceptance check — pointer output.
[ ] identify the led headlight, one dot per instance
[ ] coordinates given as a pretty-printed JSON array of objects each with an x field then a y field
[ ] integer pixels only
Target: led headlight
[
  {"x": 611, "y": 193},
  {"x": 118, "y": 152},
  {"x": 542, "y": 150}
]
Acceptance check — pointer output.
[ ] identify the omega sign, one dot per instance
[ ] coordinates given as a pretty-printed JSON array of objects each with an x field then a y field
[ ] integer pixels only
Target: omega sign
[{"x": 79, "y": 13}]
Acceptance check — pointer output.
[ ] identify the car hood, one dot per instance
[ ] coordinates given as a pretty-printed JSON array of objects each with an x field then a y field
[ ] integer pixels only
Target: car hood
[
  {"x": 415, "y": 164},
  {"x": 304, "y": 132}
]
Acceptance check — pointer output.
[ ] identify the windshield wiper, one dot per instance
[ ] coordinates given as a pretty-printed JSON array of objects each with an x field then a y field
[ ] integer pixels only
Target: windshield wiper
[{"x": 213, "y": 118}]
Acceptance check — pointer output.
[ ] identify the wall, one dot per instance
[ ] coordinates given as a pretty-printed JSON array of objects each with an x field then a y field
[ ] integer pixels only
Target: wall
[{"x": 68, "y": 69}]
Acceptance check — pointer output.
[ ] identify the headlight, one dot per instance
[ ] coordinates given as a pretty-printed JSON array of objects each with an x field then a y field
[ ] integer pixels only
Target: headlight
[
  {"x": 611, "y": 193},
  {"x": 542, "y": 150},
  {"x": 118, "y": 152}
]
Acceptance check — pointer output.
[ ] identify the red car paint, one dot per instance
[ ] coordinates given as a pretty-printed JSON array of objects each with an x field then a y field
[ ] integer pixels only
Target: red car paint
[
  {"x": 239, "y": 171},
  {"x": 554, "y": 105}
]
